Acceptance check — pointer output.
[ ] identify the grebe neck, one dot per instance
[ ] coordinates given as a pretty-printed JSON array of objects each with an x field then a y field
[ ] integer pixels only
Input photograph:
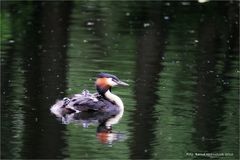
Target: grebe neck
[{"x": 115, "y": 99}]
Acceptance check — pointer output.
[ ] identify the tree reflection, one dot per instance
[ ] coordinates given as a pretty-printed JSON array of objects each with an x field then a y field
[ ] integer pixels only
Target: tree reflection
[
  {"x": 212, "y": 83},
  {"x": 43, "y": 45},
  {"x": 150, "y": 48}
]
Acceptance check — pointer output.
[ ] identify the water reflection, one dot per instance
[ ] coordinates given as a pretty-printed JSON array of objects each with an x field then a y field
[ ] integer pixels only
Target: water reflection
[
  {"x": 39, "y": 38},
  {"x": 150, "y": 48},
  {"x": 212, "y": 84},
  {"x": 207, "y": 130},
  {"x": 48, "y": 79}
]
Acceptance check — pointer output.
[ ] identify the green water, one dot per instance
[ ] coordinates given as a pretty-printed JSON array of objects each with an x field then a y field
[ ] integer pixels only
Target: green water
[{"x": 181, "y": 60}]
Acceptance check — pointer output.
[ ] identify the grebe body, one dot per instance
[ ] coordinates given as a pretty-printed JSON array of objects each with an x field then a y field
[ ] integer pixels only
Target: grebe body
[{"x": 102, "y": 101}]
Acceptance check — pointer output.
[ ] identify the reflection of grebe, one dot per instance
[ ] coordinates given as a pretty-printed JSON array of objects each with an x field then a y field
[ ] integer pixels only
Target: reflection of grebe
[
  {"x": 106, "y": 136},
  {"x": 104, "y": 101}
]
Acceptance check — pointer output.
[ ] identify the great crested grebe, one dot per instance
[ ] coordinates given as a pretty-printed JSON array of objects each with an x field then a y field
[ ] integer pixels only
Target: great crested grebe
[{"x": 104, "y": 101}]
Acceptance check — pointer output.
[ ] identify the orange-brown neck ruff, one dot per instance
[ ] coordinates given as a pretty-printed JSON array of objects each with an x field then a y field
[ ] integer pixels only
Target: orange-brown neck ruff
[{"x": 102, "y": 85}]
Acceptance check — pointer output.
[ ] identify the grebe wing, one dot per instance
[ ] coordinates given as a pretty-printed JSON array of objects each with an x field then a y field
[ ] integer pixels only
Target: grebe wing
[{"x": 94, "y": 102}]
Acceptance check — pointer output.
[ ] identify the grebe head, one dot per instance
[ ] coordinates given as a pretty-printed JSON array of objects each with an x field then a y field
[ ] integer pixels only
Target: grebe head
[{"x": 105, "y": 81}]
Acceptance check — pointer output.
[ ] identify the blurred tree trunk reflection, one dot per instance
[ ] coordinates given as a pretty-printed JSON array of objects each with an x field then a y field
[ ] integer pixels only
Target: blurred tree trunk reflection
[
  {"x": 150, "y": 52},
  {"x": 211, "y": 85},
  {"x": 45, "y": 63},
  {"x": 206, "y": 86},
  {"x": 7, "y": 76}
]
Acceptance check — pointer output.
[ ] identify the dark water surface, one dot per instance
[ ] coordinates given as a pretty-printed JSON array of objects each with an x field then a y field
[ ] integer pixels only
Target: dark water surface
[{"x": 181, "y": 60}]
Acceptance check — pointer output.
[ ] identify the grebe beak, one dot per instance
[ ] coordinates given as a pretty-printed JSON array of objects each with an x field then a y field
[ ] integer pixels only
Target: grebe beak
[{"x": 121, "y": 83}]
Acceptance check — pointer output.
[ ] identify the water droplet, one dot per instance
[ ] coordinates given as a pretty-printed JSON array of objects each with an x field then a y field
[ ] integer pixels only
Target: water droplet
[
  {"x": 166, "y": 17},
  {"x": 191, "y": 31},
  {"x": 185, "y": 3},
  {"x": 167, "y": 4},
  {"x": 90, "y": 23},
  {"x": 196, "y": 41},
  {"x": 146, "y": 25},
  {"x": 11, "y": 41},
  {"x": 202, "y": 1},
  {"x": 127, "y": 14}
]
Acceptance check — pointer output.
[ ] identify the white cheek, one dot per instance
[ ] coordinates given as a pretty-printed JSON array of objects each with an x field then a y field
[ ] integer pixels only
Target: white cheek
[{"x": 111, "y": 82}]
